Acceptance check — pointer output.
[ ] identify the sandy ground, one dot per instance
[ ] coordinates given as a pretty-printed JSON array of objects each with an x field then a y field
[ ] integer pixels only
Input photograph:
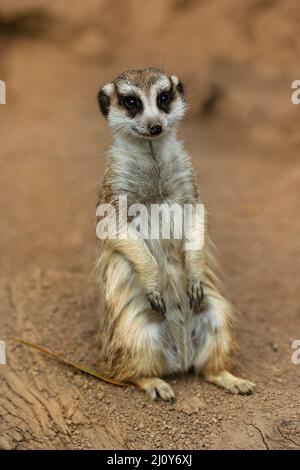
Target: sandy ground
[{"x": 238, "y": 60}]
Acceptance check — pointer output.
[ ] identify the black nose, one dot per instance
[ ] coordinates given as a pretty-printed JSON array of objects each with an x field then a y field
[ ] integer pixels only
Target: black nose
[{"x": 155, "y": 129}]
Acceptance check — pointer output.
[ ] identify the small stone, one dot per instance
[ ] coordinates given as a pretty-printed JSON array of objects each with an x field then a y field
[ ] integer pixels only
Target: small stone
[
  {"x": 274, "y": 346},
  {"x": 191, "y": 405},
  {"x": 100, "y": 395},
  {"x": 17, "y": 436}
]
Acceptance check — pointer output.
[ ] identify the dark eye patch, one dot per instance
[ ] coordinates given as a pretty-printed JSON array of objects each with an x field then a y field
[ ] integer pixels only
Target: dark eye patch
[
  {"x": 131, "y": 103},
  {"x": 164, "y": 100},
  {"x": 104, "y": 103},
  {"x": 180, "y": 88}
]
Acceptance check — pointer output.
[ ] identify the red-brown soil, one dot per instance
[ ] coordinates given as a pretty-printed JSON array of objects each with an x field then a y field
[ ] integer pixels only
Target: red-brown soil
[{"x": 238, "y": 60}]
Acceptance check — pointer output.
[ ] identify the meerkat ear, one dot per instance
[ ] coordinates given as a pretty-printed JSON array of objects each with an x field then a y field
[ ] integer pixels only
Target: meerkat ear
[
  {"x": 104, "y": 98},
  {"x": 178, "y": 85}
]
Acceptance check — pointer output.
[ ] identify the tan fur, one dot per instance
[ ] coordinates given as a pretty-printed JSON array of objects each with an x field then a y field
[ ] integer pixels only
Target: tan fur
[{"x": 138, "y": 344}]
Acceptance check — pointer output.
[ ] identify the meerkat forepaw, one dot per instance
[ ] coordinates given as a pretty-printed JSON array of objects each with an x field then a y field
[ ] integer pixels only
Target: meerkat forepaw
[
  {"x": 157, "y": 302},
  {"x": 195, "y": 295}
]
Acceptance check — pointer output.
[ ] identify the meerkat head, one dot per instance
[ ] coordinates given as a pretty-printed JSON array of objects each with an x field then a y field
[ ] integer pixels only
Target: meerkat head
[{"x": 144, "y": 103}]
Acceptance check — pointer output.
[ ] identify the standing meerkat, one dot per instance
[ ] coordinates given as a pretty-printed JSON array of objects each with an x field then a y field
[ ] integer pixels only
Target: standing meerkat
[{"x": 161, "y": 311}]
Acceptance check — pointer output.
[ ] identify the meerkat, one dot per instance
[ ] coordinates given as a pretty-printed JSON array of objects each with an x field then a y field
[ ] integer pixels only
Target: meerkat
[{"x": 161, "y": 309}]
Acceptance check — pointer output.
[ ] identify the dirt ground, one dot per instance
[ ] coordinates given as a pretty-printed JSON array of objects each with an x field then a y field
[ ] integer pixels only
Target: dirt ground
[{"x": 238, "y": 60}]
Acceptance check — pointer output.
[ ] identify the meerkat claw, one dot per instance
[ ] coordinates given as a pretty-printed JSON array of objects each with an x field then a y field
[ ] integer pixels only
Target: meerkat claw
[
  {"x": 196, "y": 294},
  {"x": 157, "y": 302}
]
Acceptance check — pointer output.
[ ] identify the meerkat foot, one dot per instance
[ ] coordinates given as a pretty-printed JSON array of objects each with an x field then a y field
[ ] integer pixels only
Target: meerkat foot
[
  {"x": 156, "y": 388},
  {"x": 234, "y": 384}
]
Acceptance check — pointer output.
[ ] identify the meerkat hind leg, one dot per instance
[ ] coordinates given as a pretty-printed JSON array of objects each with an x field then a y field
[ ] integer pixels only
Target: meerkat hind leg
[
  {"x": 228, "y": 381},
  {"x": 215, "y": 345},
  {"x": 156, "y": 388}
]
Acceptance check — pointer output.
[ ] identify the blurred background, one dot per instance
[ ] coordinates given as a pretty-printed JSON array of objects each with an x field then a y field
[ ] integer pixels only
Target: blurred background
[{"x": 238, "y": 61}]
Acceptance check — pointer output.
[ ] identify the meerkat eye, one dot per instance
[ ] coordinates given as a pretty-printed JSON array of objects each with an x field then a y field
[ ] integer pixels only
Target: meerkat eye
[
  {"x": 164, "y": 99},
  {"x": 130, "y": 102}
]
